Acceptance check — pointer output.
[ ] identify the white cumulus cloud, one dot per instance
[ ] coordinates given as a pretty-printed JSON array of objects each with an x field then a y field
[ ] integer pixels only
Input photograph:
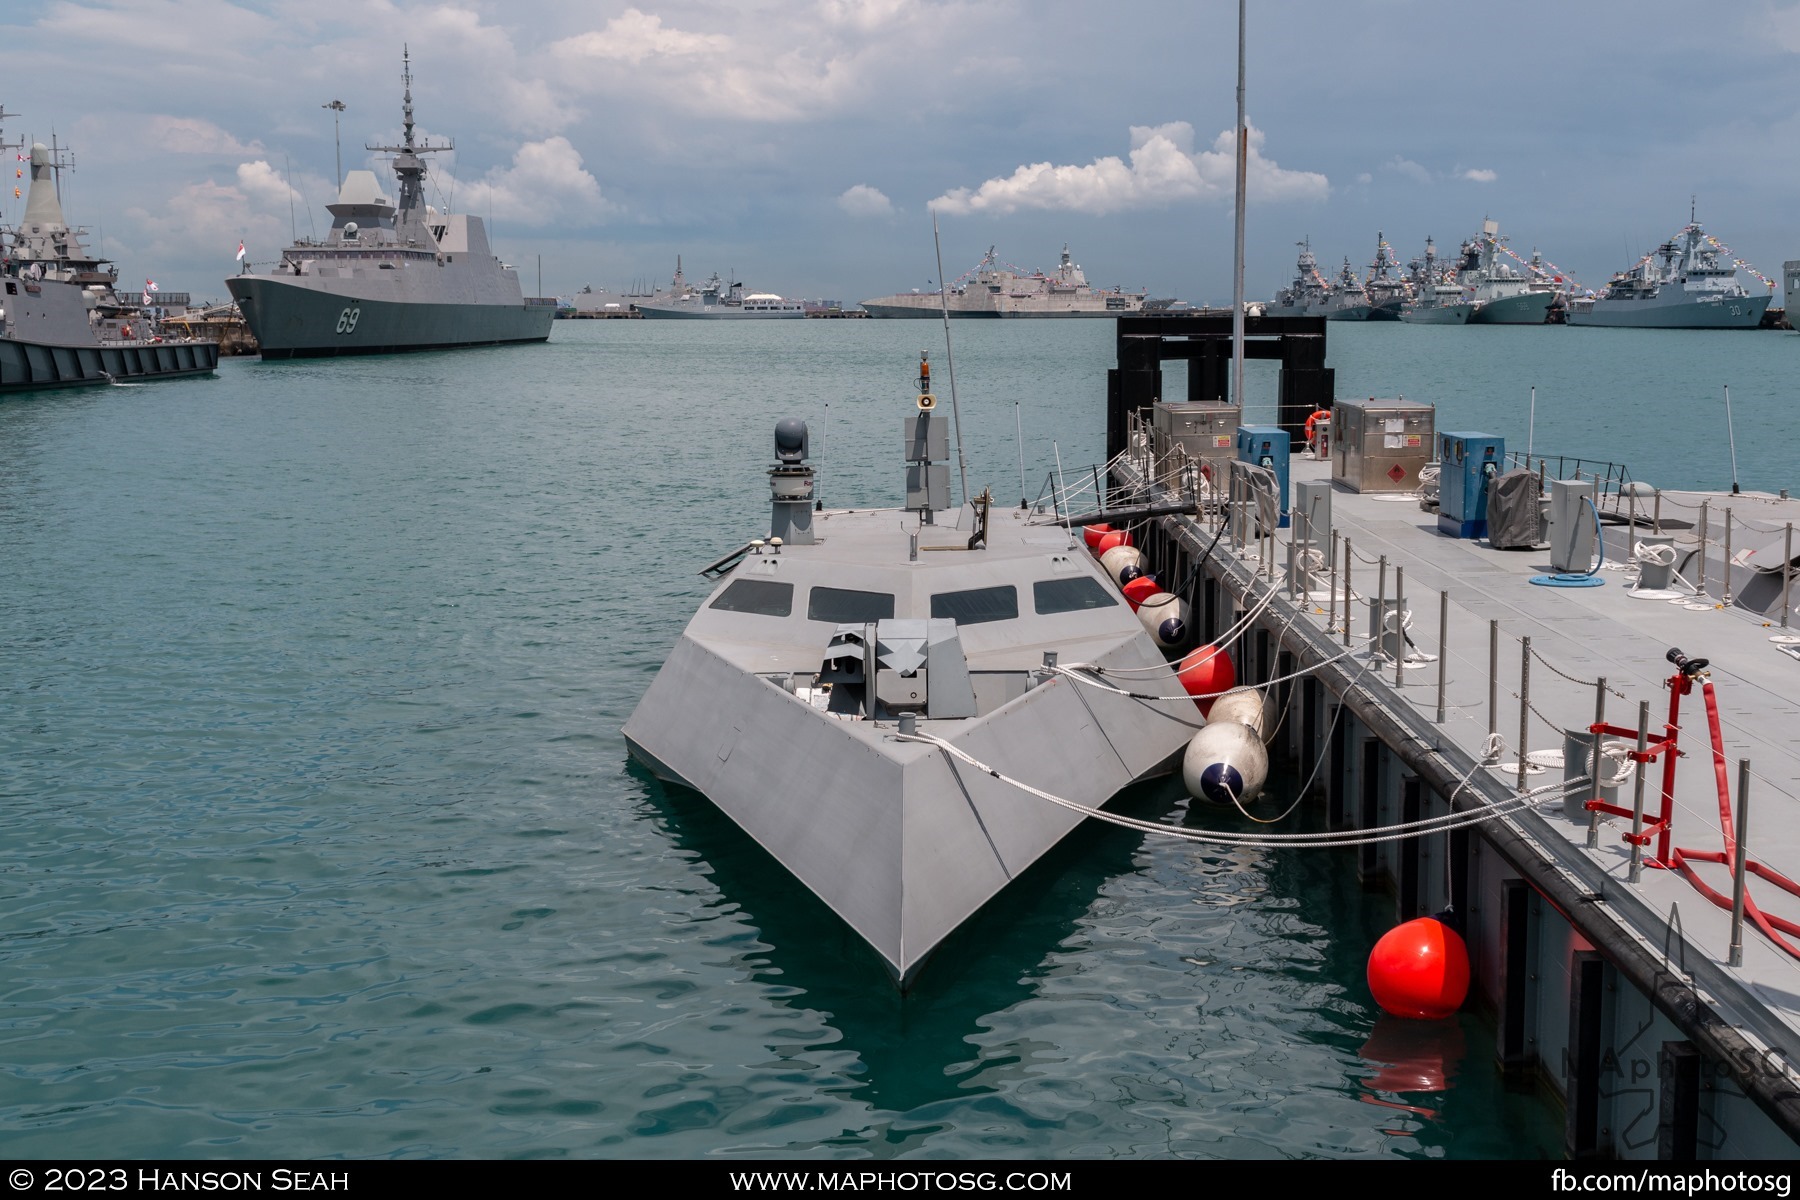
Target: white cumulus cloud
[
  {"x": 1408, "y": 168},
  {"x": 1480, "y": 175},
  {"x": 865, "y": 201},
  {"x": 192, "y": 135},
  {"x": 546, "y": 183},
  {"x": 1163, "y": 168}
]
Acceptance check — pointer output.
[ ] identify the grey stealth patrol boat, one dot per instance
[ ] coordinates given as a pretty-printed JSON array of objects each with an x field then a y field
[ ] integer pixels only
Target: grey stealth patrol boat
[
  {"x": 791, "y": 695},
  {"x": 390, "y": 276}
]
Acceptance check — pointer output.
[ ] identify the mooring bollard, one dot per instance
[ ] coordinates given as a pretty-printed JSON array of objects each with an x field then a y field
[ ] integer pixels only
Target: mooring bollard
[
  {"x": 1737, "y": 866},
  {"x": 1637, "y": 799},
  {"x": 1443, "y": 649},
  {"x": 1524, "y": 704}
]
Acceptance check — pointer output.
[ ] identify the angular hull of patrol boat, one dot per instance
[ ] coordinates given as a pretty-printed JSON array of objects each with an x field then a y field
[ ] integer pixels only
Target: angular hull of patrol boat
[{"x": 901, "y": 840}]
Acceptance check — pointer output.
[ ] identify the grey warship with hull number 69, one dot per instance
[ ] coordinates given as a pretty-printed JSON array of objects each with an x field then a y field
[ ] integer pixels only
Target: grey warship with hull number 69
[
  {"x": 62, "y": 322},
  {"x": 390, "y": 276}
]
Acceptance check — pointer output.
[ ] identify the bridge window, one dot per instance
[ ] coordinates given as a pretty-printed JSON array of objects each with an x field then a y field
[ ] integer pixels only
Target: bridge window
[
  {"x": 765, "y": 597},
  {"x": 842, "y": 606},
  {"x": 977, "y": 605},
  {"x": 1074, "y": 594}
]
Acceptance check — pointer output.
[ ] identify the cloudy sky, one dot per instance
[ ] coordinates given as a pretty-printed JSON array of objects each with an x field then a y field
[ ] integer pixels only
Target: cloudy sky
[{"x": 803, "y": 145}]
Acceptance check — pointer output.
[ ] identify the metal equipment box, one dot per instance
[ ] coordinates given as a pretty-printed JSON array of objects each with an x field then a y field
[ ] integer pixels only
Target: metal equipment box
[
  {"x": 1381, "y": 443},
  {"x": 1466, "y": 461},
  {"x": 1204, "y": 432},
  {"x": 1267, "y": 446}
]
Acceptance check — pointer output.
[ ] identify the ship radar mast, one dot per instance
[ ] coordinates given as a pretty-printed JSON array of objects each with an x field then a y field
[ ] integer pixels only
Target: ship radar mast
[{"x": 409, "y": 168}]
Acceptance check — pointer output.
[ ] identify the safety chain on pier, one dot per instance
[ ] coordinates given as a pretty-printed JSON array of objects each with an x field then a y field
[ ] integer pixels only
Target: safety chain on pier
[{"x": 1586, "y": 683}]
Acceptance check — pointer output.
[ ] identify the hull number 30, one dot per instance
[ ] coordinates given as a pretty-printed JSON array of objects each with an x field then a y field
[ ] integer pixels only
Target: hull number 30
[{"x": 347, "y": 320}]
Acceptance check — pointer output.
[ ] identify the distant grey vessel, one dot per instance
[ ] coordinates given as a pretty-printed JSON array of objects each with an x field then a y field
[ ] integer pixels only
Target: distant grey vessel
[
  {"x": 794, "y": 697},
  {"x": 716, "y": 300},
  {"x": 1681, "y": 285},
  {"x": 390, "y": 276},
  {"x": 1436, "y": 299},
  {"x": 1310, "y": 295},
  {"x": 992, "y": 290},
  {"x": 62, "y": 321},
  {"x": 1387, "y": 292},
  {"x": 1501, "y": 295}
]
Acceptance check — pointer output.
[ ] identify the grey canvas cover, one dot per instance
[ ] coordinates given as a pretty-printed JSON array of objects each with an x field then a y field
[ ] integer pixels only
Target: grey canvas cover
[{"x": 1514, "y": 519}]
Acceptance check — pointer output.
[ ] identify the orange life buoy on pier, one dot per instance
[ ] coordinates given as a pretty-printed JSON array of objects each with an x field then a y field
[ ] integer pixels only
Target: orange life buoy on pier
[{"x": 1323, "y": 414}]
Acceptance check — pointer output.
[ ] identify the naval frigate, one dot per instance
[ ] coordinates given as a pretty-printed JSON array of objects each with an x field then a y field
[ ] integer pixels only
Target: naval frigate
[
  {"x": 62, "y": 321},
  {"x": 391, "y": 275},
  {"x": 1682, "y": 284},
  {"x": 798, "y": 698},
  {"x": 1501, "y": 295},
  {"x": 993, "y": 290}
]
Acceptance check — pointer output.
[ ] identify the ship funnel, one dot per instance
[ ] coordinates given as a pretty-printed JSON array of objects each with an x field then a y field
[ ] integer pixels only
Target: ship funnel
[{"x": 791, "y": 485}]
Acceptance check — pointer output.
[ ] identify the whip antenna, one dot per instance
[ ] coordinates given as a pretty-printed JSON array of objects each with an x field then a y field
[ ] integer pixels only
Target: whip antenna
[{"x": 962, "y": 463}]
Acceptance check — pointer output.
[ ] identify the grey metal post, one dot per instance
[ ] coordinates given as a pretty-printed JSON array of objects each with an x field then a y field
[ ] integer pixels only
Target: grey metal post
[
  {"x": 1347, "y": 560},
  {"x": 1658, "y": 518},
  {"x": 1293, "y": 550},
  {"x": 1493, "y": 679},
  {"x": 1380, "y": 643},
  {"x": 1703, "y": 514},
  {"x": 1399, "y": 628},
  {"x": 1738, "y": 860},
  {"x": 1593, "y": 830},
  {"x": 1637, "y": 799},
  {"x": 1725, "y": 567},
  {"x": 1524, "y": 704},
  {"x": 1787, "y": 574},
  {"x": 1331, "y": 591},
  {"x": 1443, "y": 650}
]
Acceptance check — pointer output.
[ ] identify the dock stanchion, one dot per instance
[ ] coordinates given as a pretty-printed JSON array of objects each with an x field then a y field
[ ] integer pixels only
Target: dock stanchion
[
  {"x": 1443, "y": 650},
  {"x": 1725, "y": 567},
  {"x": 1493, "y": 682},
  {"x": 1524, "y": 704},
  {"x": 1593, "y": 830},
  {"x": 1787, "y": 574},
  {"x": 1701, "y": 584},
  {"x": 1379, "y": 645},
  {"x": 1331, "y": 592},
  {"x": 1637, "y": 799},
  {"x": 1399, "y": 625},
  {"x": 1294, "y": 549},
  {"x": 1656, "y": 520},
  {"x": 1347, "y": 592},
  {"x": 1741, "y": 856}
]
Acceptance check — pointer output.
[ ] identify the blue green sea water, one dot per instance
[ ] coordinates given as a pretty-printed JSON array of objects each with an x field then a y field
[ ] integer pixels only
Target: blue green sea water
[{"x": 322, "y": 840}]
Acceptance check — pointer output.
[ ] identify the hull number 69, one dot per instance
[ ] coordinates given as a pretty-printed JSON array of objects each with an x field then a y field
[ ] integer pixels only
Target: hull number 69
[{"x": 347, "y": 320}]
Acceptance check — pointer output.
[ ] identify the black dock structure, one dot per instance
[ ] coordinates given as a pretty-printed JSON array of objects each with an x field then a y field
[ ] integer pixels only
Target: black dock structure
[
  {"x": 1204, "y": 343},
  {"x": 1475, "y": 706}
]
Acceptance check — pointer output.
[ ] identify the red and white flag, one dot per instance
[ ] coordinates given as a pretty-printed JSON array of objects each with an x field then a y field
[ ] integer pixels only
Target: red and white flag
[{"x": 240, "y": 251}]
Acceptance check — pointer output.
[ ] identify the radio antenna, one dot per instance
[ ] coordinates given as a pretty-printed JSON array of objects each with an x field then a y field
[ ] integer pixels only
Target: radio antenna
[{"x": 962, "y": 463}]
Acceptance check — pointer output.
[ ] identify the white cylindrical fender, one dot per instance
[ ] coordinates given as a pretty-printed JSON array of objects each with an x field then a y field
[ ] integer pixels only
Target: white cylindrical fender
[
  {"x": 1254, "y": 707},
  {"x": 1165, "y": 618},
  {"x": 1118, "y": 558},
  {"x": 1225, "y": 761}
]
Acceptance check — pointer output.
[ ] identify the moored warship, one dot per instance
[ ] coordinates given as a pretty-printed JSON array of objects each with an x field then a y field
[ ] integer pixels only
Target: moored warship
[
  {"x": 1500, "y": 294},
  {"x": 62, "y": 322},
  {"x": 1387, "y": 293},
  {"x": 1682, "y": 284},
  {"x": 1436, "y": 300},
  {"x": 992, "y": 290},
  {"x": 391, "y": 275}
]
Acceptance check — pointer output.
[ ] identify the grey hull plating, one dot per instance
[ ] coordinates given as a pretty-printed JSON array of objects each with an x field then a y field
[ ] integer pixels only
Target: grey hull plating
[
  {"x": 30, "y": 366},
  {"x": 292, "y": 321},
  {"x": 1677, "y": 312},
  {"x": 1532, "y": 308}
]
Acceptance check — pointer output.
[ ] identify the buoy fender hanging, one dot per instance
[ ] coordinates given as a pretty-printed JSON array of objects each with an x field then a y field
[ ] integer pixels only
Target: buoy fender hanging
[
  {"x": 1419, "y": 969},
  {"x": 1223, "y": 762},
  {"x": 1115, "y": 560},
  {"x": 1207, "y": 673},
  {"x": 1165, "y": 618},
  {"x": 1092, "y": 534}
]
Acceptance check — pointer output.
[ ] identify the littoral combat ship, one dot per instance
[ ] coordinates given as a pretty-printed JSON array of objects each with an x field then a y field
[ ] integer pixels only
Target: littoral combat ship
[
  {"x": 992, "y": 290},
  {"x": 62, "y": 323},
  {"x": 390, "y": 276}
]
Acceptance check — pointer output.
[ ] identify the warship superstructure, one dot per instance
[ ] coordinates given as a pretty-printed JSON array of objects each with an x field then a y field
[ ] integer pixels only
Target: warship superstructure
[
  {"x": 391, "y": 275},
  {"x": 63, "y": 322},
  {"x": 993, "y": 290},
  {"x": 1501, "y": 295},
  {"x": 1308, "y": 289},
  {"x": 1387, "y": 290},
  {"x": 1682, "y": 284},
  {"x": 1436, "y": 298},
  {"x": 716, "y": 300},
  {"x": 822, "y": 693}
]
